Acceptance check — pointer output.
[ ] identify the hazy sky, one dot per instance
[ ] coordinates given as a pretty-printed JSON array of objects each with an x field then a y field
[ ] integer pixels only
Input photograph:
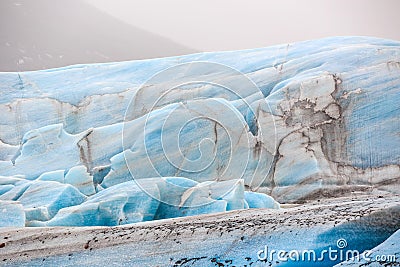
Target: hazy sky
[
  {"x": 237, "y": 24},
  {"x": 39, "y": 34}
]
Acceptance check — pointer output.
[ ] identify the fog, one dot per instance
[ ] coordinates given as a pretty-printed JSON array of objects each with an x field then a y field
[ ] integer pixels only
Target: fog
[
  {"x": 39, "y": 34},
  {"x": 210, "y": 25}
]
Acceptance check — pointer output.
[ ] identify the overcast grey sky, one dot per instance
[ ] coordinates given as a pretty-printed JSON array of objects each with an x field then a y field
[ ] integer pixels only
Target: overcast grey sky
[
  {"x": 237, "y": 24},
  {"x": 40, "y": 34}
]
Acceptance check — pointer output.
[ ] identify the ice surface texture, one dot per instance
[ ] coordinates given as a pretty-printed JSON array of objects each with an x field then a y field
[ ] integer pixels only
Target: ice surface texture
[
  {"x": 116, "y": 143},
  {"x": 222, "y": 239}
]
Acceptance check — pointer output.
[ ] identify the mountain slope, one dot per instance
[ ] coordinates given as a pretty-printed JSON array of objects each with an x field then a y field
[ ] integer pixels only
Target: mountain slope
[{"x": 52, "y": 33}]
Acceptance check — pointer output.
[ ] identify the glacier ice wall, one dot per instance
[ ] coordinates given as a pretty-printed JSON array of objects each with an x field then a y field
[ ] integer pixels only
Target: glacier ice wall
[{"x": 201, "y": 133}]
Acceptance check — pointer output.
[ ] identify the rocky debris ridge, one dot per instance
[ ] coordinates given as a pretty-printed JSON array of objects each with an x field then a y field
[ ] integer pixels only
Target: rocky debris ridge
[{"x": 221, "y": 239}]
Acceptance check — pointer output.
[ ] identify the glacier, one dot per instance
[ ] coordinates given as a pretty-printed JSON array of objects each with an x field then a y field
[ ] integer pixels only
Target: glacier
[
  {"x": 220, "y": 239},
  {"x": 204, "y": 159},
  {"x": 127, "y": 142}
]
